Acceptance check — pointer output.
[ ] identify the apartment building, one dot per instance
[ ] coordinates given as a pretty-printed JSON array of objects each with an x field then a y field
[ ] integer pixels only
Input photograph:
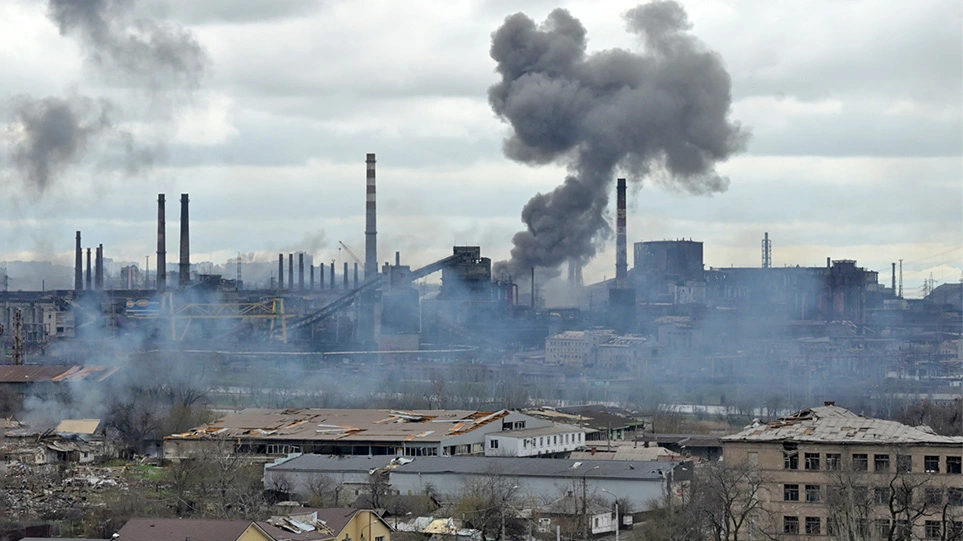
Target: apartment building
[{"x": 829, "y": 473}]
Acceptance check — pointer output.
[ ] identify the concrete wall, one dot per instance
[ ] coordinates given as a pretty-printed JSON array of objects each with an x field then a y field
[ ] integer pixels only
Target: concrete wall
[{"x": 509, "y": 444}]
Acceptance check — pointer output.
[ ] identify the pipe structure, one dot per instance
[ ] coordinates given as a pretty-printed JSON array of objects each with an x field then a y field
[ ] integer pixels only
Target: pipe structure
[
  {"x": 161, "y": 244},
  {"x": 280, "y": 271},
  {"x": 78, "y": 264},
  {"x": 301, "y": 271},
  {"x": 290, "y": 271},
  {"x": 621, "y": 250},
  {"x": 185, "y": 266},
  {"x": 371, "y": 218},
  {"x": 89, "y": 276}
]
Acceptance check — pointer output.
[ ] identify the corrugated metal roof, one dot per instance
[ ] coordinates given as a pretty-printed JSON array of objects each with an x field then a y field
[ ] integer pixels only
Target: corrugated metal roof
[
  {"x": 839, "y": 425},
  {"x": 78, "y": 426},
  {"x": 37, "y": 373},
  {"x": 538, "y": 467},
  {"x": 333, "y": 463}
]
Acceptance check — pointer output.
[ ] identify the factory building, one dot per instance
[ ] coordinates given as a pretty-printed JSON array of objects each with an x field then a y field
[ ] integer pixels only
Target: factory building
[{"x": 597, "y": 348}]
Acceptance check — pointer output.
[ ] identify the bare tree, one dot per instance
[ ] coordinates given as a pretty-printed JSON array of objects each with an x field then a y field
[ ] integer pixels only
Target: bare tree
[
  {"x": 325, "y": 491},
  {"x": 728, "y": 498},
  {"x": 486, "y": 503}
]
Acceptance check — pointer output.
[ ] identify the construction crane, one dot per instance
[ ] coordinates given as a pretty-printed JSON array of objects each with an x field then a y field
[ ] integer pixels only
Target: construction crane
[{"x": 346, "y": 249}]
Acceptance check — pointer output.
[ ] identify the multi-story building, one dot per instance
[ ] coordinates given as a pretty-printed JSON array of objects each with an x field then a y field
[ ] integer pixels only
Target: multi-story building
[
  {"x": 603, "y": 348},
  {"x": 827, "y": 472}
]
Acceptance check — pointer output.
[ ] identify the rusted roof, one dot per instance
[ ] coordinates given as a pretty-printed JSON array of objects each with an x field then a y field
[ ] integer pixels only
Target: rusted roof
[{"x": 839, "y": 425}]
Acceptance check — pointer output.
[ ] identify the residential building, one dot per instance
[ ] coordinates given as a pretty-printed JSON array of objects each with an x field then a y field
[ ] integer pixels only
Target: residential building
[
  {"x": 179, "y": 529},
  {"x": 828, "y": 472},
  {"x": 271, "y": 432},
  {"x": 600, "y": 348},
  {"x": 329, "y": 524}
]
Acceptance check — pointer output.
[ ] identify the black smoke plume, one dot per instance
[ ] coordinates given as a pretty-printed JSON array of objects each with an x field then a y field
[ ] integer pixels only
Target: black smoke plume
[
  {"x": 52, "y": 133},
  {"x": 151, "y": 54},
  {"x": 661, "y": 113}
]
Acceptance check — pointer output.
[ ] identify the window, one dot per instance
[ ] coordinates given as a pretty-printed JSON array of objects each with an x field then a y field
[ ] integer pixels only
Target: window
[
  {"x": 931, "y": 530},
  {"x": 833, "y": 461},
  {"x": 790, "y": 493},
  {"x": 881, "y": 495},
  {"x": 955, "y": 496},
  {"x": 790, "y": 456},
  {"x": 790, "y": 524},
  {"x": 904, "y": 496},
  {"x": 860, "y": 462},
  {"x": 934, "y": 495},
  {"x": 881, "y": 526},
  {"x": 541, "y": 441},
  {"x": 881, "y": 463},
  {"x": 379, "y": 538},
  {"x": 812, "y": 493},
  {"x": 904, "y": 463},
  {"x": 954, "y": 464},
  {"x": 812, "y": 461},
  {"x": 813, "y": 525},
  {"x": 525, "y": 443},
  {"x": 493, "y": 444},
  {"x": 861, "y": 495},
  {"x": 931, "y": 464},
  {"x": 904, "y": 531}
]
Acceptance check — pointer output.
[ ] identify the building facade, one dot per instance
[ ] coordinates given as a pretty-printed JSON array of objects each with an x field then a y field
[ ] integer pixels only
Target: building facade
[{"x": 829, "y": 473}]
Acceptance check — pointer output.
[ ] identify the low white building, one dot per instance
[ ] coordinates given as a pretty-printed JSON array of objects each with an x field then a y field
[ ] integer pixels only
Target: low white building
[{"x": 549, "y": 440}]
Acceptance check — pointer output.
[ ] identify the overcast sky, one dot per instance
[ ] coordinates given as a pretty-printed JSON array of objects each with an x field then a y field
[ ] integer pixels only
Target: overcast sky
[{"x": 854, "y": 110}]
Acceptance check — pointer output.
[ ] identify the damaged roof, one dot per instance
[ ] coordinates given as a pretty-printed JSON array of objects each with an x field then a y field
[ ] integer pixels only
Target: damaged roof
[
  {"x": 349, "y": 425},
  {"x": 538, "y": 467},
  {"x": 833, "y": 424},
  {"x": 38, "y": 373}
]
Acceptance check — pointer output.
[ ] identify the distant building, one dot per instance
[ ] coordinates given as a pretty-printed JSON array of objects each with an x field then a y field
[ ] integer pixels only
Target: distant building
[
  {"x": 827, "y": 470},
  {"x": 597, "y": 348}
]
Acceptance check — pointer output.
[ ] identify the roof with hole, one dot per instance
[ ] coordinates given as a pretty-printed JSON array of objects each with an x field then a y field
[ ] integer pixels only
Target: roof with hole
[{"x": 833, "y": 424}]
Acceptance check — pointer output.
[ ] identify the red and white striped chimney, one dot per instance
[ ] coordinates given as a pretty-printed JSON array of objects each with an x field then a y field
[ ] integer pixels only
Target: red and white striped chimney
[{"x": 371, "y": 229}]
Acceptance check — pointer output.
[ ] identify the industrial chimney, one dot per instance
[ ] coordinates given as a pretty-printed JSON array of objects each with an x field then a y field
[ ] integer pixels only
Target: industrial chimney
[
  {"x": 290, "y": 271},
  {"x": 370, "y": 232},
  {"x": 88, "y": 275},
  {"x": 78, "y": 265},
  {"x": 99, "y": 268},
  {"x": 185, "y": 265},
  {"x": 621, "y": 250},
  {"x": 161, "y": 244},
  {"x": 280, "y": 271},
  {"x": 301, "y": 271}
]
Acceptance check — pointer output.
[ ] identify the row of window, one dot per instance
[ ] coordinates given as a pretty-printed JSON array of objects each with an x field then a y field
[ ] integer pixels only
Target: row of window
[
  {"x": 860, "y": 462},
  {"x": 880, "y": 495},
  {"x": 543, "y": 441},
  {"x": 902, "y": 530}
]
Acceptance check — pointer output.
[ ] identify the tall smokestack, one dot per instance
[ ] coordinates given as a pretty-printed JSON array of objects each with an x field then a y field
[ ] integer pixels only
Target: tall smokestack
[
  {"x": 185, "y": 266},
  {"x": 356, "y": 276},
  {"x": 78, "y": 264},
  {"x": 321, "y": 275},
  {"x": 621, "y": 251},
  {"x": 766, "y": 251},
  {"x": 161, "y": 244},
  {"x": 290, "y": 271},
  {"x": 88, "y": 278},
  {"x": 345, "y": 278},
  {"x": 301, "y": 271},
  {"x": 99, "y": 268},
  {"x": 370, "y": 232},
  {"x": 894, "y": 276},
  {"x": 332, "y": 274},
  {"x": 312, "y": 277},
  {"x": 280, "y": 271}
]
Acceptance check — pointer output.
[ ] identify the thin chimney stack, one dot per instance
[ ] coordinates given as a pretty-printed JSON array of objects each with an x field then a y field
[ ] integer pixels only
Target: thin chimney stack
[
  {"x": 185, "y": 264},
  {"x": 78, "y": 265},
  {"x": 621, "y": 249},
  {"x": 161, "y": 244}
]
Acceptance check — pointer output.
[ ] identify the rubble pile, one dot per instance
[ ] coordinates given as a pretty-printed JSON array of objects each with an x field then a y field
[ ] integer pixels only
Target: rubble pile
[{"x": 40, "y": 492}]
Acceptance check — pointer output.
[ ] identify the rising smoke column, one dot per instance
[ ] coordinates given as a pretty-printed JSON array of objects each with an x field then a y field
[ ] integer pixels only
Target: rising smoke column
[
  {"x": 661, "y": 113},
  {"x": 52, "y": 133}
]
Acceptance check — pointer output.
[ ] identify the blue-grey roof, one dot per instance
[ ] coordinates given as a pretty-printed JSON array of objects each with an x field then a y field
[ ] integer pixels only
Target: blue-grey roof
[
  {"x": 538, "y": 467},
  {"x": 332, "y": 463}
]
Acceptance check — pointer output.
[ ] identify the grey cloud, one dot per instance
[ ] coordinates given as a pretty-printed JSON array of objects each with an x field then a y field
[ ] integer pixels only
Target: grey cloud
[
  {"x": 231, "y": 11},
  {"x": 665, "y": 109}
]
